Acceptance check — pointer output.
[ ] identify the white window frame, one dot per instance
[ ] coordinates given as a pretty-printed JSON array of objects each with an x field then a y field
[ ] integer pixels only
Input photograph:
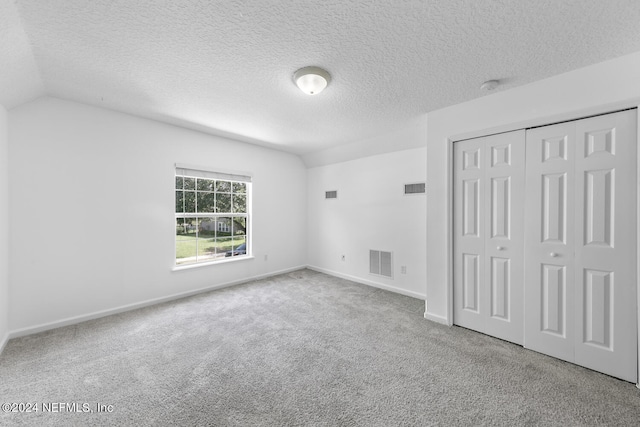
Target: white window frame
[{"x": 218, "y": 175}]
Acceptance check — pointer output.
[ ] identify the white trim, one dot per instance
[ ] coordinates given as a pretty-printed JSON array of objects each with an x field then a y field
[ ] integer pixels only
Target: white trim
[
  {"x": 224, "y": 260},
  {"x": 368, "y": 282},
  {"x": 438, "y": 319},
  {"x": 549, "y": 120},
  {"x": 214, "y": 170},
  {"x": 449, "y": 208},
  {"x": 4, "y": 342},
  {"x": 447, "y": 319},
  {"x": 211, "y": 215},
  {"x": 638, "y": 242},
  {"x": 129, "y": 307}
]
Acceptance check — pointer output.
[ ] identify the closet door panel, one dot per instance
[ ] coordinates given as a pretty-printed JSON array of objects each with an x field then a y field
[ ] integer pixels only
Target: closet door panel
[
  {"x": 549, "y": 206},
  {"x": 469, "y": 234},
  {"x": 488, "y": 234},
  {"x": 605, "y": 244},
  {"x": 504, "y": 242}
]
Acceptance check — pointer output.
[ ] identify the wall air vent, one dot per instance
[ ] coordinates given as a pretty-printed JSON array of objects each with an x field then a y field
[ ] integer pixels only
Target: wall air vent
[
  {"x": 380, "y": 263},
  {"x": 417, "y": 188},
  {"x": 331, "y": 194}
]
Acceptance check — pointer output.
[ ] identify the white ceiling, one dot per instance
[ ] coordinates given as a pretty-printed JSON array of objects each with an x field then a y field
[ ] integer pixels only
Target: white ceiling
[{"x": 225, "y": 67}]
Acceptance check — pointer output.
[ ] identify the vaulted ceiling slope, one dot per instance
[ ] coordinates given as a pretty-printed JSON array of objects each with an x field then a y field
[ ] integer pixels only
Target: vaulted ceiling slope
[{"x": 225, "y": 67}]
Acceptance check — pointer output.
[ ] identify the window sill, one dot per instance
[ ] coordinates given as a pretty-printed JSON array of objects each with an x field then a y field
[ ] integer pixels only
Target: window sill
[{"x": 206, "y": 264}]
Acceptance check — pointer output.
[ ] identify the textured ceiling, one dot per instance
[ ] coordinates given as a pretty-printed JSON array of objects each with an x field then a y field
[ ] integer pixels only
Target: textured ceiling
[
  {"x": 225, "y": 67},
  {"x": 19, "y": 77}
]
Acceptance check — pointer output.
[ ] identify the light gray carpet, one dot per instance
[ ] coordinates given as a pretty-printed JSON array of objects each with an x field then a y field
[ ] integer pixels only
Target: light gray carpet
[{"x": 299, "y": 349}]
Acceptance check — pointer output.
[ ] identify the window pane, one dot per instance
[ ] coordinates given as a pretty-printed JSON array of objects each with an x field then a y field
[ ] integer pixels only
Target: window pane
[
  {"x": 189, "y": 183},
  {"x": 224, "y": 245},
  {"x": 233, "y": 247},
  {"x": 186, "y": 241},
  {"x": 223, "y": 186},
  {"x": 186, "y": 252},
  {"x": 239, "y": 203},
  {"x": 181, "y": 232},
  {"x": 178, "y": 183},
  {"x": 187, "y": 227},
  {"x": 239, "y": 226},
  {"x": 239, "y": 246},
  {"x": 206, "y": 248},
  {"x": 190, "y": 201},
  {"x": 206, "y": 184},
  {"x": 239, "y": 187},
  {"x": 223, "y": 202},
  {"x": 206, "y": 202},
  {"x": 179, "y": 201},
  {"x": 207, "y": 227},
  {"x": 223, "y": 227}
]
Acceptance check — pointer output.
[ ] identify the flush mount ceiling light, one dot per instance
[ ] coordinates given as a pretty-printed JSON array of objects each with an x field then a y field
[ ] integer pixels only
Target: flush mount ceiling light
[{"x": 311, "y": 80}]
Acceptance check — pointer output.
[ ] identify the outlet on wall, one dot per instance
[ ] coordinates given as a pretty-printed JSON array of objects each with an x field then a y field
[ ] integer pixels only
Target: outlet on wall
[
  {"x": 343, "y": 258},
  {"x": 403, "y": 269},
  {"x": 266, "y": 257}
]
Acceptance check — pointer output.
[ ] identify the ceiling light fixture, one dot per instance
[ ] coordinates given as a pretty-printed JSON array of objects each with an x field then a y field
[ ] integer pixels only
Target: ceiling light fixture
[
  {"x": 311, "y": 80},
  {"x": 489, "y": 85}
]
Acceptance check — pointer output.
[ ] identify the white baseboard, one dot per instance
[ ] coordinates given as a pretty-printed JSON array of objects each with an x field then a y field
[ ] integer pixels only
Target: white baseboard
[
  {"x": 4, "y": 342},
  {"x": 368, "y": 282},
  {"x": 103, "y": 313},
  {"x": 435, "y": 318}
]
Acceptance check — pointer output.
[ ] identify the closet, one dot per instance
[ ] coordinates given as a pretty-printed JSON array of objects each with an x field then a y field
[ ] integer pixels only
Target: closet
[
  {"x": 545, "y": 240},
  {"x": 489, "y": 234}
]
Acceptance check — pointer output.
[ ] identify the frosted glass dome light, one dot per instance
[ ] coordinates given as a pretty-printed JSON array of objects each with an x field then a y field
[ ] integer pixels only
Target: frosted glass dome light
[{"x": 311, "y": 80}]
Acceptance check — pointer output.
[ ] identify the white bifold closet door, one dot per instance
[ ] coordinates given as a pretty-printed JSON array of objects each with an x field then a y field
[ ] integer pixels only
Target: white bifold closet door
[
  {"x": 488, "y": 234},
  {"x": 580, "y": 243}
]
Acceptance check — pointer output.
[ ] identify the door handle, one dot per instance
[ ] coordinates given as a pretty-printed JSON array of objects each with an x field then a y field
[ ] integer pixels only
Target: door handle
[
  {"x": 500, "y": 248},
  {"x": 553, "y": 254}
]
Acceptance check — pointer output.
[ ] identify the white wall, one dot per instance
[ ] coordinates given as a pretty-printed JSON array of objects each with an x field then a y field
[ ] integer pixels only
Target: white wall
[
  {"x": 595, "y": 89},
  {"x": 371, "y": 212},
  {"x": 92, "y": 211},
  {"x": 4, "y": 229},
  {"x": 411, "y": 135}
]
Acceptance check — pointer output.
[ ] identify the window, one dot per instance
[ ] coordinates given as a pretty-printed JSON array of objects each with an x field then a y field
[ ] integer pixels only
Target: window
[{"x": 212, "y": 215}]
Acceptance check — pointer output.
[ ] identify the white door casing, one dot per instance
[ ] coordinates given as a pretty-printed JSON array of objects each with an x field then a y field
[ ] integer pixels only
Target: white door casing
[{"x": 488, "y": 227}]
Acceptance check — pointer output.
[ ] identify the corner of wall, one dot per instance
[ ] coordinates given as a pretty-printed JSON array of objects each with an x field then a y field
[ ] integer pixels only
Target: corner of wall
[
  {"x": 371, "y": 212},
  {"x": 4, "y": 229}
]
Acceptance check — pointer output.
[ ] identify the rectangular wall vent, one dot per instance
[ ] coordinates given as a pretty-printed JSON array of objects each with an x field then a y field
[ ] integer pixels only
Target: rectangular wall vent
[
  {"x": 380, "y": 263},
  {"x": 417, "y": 188},
  {"x": 331, "y": 194}
]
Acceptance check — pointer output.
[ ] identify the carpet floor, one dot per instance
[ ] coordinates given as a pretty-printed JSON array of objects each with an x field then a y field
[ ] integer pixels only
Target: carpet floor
[{"x": 298, "y": 349}]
